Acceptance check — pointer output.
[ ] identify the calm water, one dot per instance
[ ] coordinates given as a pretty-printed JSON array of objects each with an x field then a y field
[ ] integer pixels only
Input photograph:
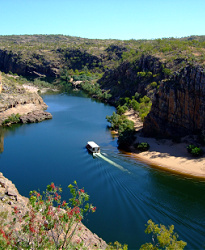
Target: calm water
[{"x": 126, "y": 194}]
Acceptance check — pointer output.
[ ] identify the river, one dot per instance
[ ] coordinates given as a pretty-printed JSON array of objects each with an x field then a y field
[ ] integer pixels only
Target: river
[{"x": 127, "y": 194}]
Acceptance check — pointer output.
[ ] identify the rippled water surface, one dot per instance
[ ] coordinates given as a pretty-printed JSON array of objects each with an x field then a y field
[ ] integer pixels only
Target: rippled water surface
[{"x": 126, "y": 193}]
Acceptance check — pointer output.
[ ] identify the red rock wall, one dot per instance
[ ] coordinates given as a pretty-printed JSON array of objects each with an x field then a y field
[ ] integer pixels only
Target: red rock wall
[{"x": 178, "y": 107}]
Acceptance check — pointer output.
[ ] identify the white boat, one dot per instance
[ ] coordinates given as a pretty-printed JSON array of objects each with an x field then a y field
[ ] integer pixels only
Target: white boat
[{"x": 93, "y": 147}]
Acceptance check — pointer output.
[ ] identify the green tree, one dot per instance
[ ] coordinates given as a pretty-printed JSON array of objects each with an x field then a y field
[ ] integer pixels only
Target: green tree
[
  {"x": 162, "y": 238},
  {"x": 126, "y": 139}
]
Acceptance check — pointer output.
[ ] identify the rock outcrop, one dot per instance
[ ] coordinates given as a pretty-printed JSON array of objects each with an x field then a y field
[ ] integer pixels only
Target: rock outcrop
[
  {"x": 10, "y": 199},
  {"x": 14, "y": 62},
  {"x": 29, "y": 106},
  {"x": 178, "y": 107}
]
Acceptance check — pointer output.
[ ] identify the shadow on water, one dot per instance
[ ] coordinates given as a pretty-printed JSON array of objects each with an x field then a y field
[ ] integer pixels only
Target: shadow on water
[{"x": 7, "y": 131}]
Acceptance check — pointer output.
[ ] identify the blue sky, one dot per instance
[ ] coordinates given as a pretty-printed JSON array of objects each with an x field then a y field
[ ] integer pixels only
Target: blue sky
[{"x": 104, "y": 19}]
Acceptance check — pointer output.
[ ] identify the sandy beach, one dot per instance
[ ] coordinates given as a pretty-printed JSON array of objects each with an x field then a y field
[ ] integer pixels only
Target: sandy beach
[
  {"x": 167, "y": 155},
  {"x": 34, "y": 89}
]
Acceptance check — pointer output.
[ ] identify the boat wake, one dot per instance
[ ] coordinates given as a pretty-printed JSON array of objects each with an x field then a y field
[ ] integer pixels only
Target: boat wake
[{"x": 99, "y": 155}]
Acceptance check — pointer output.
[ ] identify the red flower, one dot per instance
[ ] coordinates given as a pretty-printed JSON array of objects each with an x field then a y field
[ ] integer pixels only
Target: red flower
[
  {"x": 76, "y": 210},
  {"x": 70, "y": 213},
  {"x": 38, "y": 195},
  {"x": 15, "y": 210},
  {"x": 64, "y": 203},
  {"x": 82, "y": 191},
  {"x": 52, "y": 185},
  {"x": 93, "y": 209},
  {"x": 78, "y": 241},
  {"x": 31, "y": 229},
  {"x": 4, "y": 235}
]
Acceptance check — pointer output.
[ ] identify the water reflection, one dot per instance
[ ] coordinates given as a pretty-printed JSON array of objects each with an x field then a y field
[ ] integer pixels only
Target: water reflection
[
  {"x": 1, "y": 140},
  {"x": 6, "y": 131}
]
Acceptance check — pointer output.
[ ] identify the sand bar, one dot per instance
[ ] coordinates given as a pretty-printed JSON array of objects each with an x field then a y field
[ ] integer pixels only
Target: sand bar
[{"x": 169, "y": 156}]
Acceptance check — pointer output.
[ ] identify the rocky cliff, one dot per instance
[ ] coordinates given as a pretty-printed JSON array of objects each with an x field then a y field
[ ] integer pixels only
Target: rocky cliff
[
  {"x": 10, "y": 199},
  {"x": 178, "y": 107},
  {"x": 17, "y": 99},
  {"x": 29, "y": 106},
  {"x": 132, "y": 77},
  {"x": 34, "y": 65}
]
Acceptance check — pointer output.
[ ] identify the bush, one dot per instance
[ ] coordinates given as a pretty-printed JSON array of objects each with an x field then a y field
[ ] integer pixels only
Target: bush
[
  {"x": 162, "y": 238},
  {"x": 194, "y": 150},
  {"x": 49, "y": 222},
  {"x": 153, "y": 84},
  {"x": 126, "y": 139},
  {"x": 143, "y": 146},
  {"x": 121, "y": 109},
  {"x": 120, "y": 122},
  {"x": 14, "y": 118}
]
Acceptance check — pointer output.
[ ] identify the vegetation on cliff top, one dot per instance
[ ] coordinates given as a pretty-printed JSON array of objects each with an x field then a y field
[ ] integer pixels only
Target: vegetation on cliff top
[{"x": 98, "y": 55}]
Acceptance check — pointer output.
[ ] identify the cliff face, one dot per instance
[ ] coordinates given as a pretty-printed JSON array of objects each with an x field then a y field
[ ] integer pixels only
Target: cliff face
[
  {"x": 35, "y": 66},
  {"x": 178, "y": 107},
  {"x": 132, "y": 77}
]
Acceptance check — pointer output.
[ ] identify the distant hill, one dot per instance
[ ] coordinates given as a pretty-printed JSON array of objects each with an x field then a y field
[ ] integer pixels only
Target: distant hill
[{"x": 46, "y": 54}]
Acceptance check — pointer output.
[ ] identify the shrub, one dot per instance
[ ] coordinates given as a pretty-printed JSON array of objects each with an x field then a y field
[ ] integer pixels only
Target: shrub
[
  {"x": 49, "y": 223},
  {"x": 143, "y": 146},
  {"x": 162, "y": 237},
  {"x": 153, "y": 84},
  {"x": 166, "y": 71},
  {"x": 120, "y": 122},
  {"x": 126, "y": 139},
  {"x": 121, "y": 109},
  {"x": 194, "y": 150},
  {"x": 14, "y": 118}
]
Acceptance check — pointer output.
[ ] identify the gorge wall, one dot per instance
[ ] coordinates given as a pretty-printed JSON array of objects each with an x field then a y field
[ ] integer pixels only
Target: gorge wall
[
  {"x": 132, "y": 77},
  {"x": 178, "y": 106},
  {"x": 35, "y": 65}
]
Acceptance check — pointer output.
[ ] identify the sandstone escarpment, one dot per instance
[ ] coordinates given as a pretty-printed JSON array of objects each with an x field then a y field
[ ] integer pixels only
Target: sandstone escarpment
[
  {"x": 132, "y": 77},
  {"x": 32, "y": 65},
  {"x": 178, "y": 107}
]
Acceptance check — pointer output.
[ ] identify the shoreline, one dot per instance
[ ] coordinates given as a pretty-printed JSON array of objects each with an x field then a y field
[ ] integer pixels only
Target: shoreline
[{"x": 166, "y": 155}]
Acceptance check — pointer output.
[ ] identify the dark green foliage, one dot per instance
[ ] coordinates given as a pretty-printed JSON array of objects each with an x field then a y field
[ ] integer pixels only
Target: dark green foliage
[
  {"x": 122, "y": 109},
  {"x": 11, "y": 119},
  {"x": 125, "y": 129},
  {"x": 126, "y": 139},
  {"x": 194, "y": 150},
  {"x": 95, "y": 91},
  {"x": 143, "y": 146},
  {"x": 78, "y": 59},
  {"x": 144, "y": 74},
  {"x": 166, "y": 71}
]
